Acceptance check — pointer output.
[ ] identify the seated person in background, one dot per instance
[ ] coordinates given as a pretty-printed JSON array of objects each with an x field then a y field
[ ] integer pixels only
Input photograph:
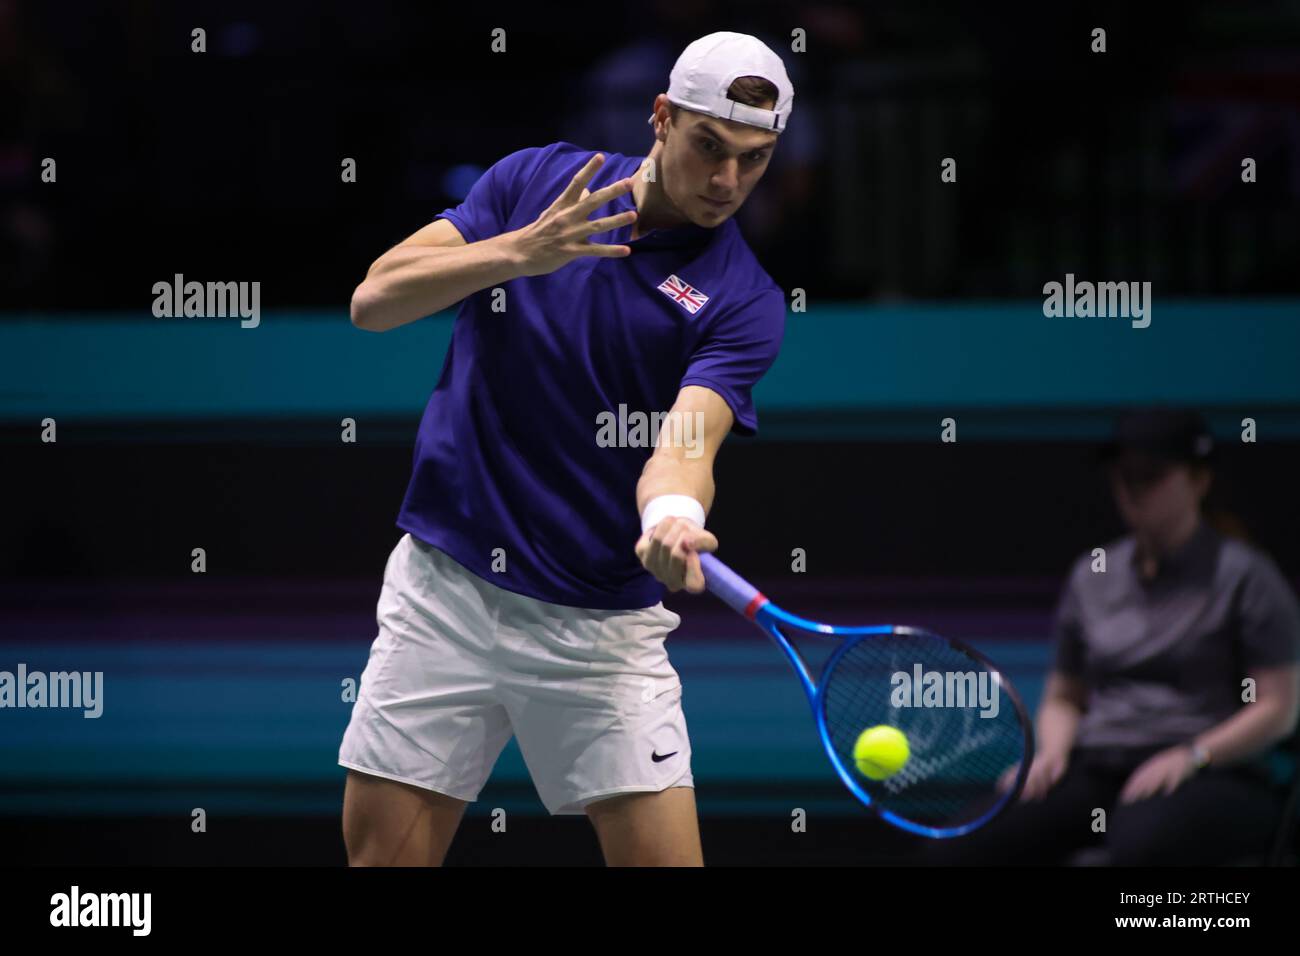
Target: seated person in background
[{"x": 1143, "y": 713}]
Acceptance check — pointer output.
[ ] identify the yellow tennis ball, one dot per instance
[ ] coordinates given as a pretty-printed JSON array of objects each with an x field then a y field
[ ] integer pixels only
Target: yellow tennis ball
[{"x": 880, "y": 751}]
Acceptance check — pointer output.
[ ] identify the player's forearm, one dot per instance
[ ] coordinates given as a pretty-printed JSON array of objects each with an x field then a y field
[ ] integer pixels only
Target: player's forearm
[
  {"x": 669, "y": 475},
  {"x": 410, "y": 282}
]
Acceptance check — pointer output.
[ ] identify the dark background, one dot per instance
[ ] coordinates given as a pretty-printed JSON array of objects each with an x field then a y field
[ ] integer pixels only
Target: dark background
[{"x": 229, "y": 161}]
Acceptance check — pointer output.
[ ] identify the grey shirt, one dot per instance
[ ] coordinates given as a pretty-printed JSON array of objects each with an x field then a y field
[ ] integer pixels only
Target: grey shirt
[{"x": 1163, "y": 659}]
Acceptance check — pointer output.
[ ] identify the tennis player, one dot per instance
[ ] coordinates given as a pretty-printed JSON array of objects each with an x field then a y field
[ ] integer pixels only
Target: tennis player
[{"x": 542, "y": 522}]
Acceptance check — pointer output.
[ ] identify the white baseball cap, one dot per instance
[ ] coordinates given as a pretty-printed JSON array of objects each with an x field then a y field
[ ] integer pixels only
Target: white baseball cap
[{"x": 708, "y": 66}]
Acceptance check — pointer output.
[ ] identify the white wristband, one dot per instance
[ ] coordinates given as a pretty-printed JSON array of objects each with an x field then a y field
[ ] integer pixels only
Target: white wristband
[{"x": 667, "y": 506}]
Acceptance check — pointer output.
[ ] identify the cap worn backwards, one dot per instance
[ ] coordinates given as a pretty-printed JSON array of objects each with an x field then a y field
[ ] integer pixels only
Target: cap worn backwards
[{"x": 708, "y": 66}]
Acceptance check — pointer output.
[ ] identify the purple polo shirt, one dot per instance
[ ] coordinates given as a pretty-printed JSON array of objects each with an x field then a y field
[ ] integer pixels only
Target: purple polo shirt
[{"x": 513, "y": 476}]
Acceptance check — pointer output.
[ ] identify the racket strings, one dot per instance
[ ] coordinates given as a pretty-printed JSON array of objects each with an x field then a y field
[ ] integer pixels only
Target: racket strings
[{"x": 963, "y": 729}]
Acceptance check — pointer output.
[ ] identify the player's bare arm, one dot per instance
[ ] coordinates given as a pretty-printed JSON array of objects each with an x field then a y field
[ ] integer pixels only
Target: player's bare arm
[
  {"x": 682, "y": 464},
  {"x": 435, "y": 268}
]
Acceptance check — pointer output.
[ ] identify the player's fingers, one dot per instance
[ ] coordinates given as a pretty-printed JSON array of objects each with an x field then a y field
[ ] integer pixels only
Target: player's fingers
[
  {"x": 681, "y": 551},
  {"x": 603, "y": 195},
  {"x": 694, "y": 539},
  {"x": 681, "y": 554},
  {"x": 606, "y": 252},
  {"x": 578, "y": 185},
  {"x": 694, "y": 573},
  {"x": 676, "y": 542},
  {"x": 663, "y": 537},
  {"x": 705, "y": 541},
  {"x": 661, "y": 566},
  {"x": 673, "y": 529},
  {"x": 642, "y": 547},
  {"x": 596, "y": 226},
  {"x": 654, "y": 544}
]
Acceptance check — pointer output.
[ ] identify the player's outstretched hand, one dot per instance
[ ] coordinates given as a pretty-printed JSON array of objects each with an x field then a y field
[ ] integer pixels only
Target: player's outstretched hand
[
  {"x": 671, "y": 552},
  {"x": 561, "y": 233}
]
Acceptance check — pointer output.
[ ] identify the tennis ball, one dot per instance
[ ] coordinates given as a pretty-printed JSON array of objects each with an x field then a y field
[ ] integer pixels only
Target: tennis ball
[{"x": 880, "y": 751}]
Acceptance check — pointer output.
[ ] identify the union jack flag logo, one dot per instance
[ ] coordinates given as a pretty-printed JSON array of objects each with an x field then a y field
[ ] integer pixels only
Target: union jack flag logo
[{"x": 688, "y": 297}]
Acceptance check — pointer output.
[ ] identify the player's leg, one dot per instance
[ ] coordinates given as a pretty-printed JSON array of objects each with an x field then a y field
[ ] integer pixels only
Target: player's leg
[
  {"x": 648, "y": 829},
  {"x": 387, "y": 823},
  {"x": 597, "y": 709},
  {"x": 427, "y": 726}
]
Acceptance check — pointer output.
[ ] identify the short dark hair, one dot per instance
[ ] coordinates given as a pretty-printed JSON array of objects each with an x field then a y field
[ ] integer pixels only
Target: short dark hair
[
  {"x": 753, "y": 91},
  {"x": 750, "y": 90}
]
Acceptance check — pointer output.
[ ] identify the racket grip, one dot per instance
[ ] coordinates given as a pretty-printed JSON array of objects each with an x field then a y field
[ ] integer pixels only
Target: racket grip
[{"x": 729, "y": 586}]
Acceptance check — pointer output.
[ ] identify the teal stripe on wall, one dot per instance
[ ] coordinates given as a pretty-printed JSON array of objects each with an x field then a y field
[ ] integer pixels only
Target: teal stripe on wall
[{"x": 843, "y": 368}]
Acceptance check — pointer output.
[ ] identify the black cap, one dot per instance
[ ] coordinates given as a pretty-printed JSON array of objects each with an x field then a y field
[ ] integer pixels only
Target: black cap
[{"x": 1171, "y": 434}]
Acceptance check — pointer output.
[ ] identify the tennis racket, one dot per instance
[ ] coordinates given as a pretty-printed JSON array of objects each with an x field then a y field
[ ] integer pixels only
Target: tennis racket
[{"x": 970, "y": 743}]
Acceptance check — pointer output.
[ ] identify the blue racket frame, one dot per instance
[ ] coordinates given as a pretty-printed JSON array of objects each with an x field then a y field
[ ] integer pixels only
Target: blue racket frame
[{"x": 751, "y": 603}]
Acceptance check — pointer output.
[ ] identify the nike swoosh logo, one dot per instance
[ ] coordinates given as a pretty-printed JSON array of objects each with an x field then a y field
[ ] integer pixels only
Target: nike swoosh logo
[{"x": 658, "y": 757}]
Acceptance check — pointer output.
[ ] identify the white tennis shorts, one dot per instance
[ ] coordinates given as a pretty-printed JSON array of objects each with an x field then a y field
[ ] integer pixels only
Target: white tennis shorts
[{"x": 460, "y": 665}]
